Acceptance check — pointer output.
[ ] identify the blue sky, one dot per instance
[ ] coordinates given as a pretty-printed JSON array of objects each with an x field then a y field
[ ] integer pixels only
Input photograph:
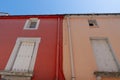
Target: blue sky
[{"x": 29, "y": 7}]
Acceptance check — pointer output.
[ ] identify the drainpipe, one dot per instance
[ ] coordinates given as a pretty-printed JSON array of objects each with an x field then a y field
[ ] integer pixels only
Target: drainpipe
[
  {"x": 71, "y": 50},
  {"x": 57, "y": 54}
]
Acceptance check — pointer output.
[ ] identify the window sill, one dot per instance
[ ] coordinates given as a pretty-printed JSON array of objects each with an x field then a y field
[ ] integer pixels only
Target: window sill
[
  {"x": 30, "y": 28},
  {"x": 107, "y": 74},
  {"x": 94, "y": 26},
  {"x": 10, "y": 73}
]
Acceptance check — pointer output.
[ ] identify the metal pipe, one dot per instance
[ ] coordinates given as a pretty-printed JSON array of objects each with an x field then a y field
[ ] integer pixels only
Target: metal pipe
[
  {"x": 57, "y": 55},
  {"x": 71, "y": 50}
]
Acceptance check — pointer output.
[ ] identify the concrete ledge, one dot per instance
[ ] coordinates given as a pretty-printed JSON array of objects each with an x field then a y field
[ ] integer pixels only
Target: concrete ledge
[
  {"x": 10, "y": 73},
  {"x": 107, "y": 74}
]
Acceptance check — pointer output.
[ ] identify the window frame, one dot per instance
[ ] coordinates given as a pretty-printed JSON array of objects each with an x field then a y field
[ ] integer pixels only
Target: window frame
[
  {"x": 28, "y": 22},
  {"x": 110, "y": 47},
  {"x": 15, "y": 49},
  {"x": 93, "y": 23}
]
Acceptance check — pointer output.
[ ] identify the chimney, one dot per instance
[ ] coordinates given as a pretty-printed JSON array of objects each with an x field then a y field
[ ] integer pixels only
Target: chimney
[{"x": 3, "y": 14}]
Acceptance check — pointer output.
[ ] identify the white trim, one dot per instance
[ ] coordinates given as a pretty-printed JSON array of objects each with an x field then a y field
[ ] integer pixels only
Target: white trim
[
  {"x": 12, "y": 56},
  {"x": 32, "y": 63},
  {"x": 16, "y": 47},
  {"x": 27, "y": 24}
]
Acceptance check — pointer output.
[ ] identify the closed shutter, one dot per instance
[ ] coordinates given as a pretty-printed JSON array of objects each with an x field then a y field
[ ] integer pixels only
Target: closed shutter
[
  {"x": 24, "y": 56},
  {"x": 103, "y": 54}
]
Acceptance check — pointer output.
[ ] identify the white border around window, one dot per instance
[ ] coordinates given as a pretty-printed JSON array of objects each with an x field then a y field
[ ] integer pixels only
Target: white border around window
[
  {"x": 27, "y": 24},
  {"x": 16, "y": 47}
]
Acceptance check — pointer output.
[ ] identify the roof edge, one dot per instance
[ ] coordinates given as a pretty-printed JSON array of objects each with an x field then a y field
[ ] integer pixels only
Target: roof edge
[
  {"x": 68, "y": 14},
  {"x": 81, "y": 14}
]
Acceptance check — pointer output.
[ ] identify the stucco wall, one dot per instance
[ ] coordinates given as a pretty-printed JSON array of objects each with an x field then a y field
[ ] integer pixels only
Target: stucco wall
[
  {"x": 81, "y": 32},
  {"x": 11, "y": 28}
]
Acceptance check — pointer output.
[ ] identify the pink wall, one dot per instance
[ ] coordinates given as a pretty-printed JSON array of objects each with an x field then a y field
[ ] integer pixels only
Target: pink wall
[{"x": 84, "y": 59}]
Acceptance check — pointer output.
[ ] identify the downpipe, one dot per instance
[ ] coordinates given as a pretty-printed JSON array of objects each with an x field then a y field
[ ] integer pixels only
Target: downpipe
[
  {"x": 57, "y": 55},
  {"x": 71, "y": 50}
]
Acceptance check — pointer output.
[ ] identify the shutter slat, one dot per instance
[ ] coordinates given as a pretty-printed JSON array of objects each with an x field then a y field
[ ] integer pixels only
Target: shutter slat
[
  {"x": 104, "y": 56},
  {"x": 24, "y": 56}
]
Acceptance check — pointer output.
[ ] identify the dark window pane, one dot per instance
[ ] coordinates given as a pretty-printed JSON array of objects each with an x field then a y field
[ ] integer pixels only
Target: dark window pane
[
  {"x": 33, "y": 24},
  {"x": 91, "y": 24}
]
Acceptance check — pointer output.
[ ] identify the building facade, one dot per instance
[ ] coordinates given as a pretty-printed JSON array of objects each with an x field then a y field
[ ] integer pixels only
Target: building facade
[
  {"x": 31, "y": 47},
  {"x": 91, "y": 47},
  {"x": 60, "y": 47}
]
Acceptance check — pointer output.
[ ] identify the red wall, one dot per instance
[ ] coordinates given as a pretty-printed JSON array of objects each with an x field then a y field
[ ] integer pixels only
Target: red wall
[{"x": 11, "y": 27}]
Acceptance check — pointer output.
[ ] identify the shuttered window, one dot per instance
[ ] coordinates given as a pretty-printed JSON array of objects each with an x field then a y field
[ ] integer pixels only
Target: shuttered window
[
  {"x": 104, "y": 55},
  {"x": 24, "y": 56},
  {"x": 22, "y": 59}
]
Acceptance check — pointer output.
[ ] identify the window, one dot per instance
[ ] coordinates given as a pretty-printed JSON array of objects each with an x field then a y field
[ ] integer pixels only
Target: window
[
  {"x": 22, "y": 60},
  {"x": 92, "y": 23},
  {"x": 104, "y": 55},
  {"x": 32, "y": 24}
]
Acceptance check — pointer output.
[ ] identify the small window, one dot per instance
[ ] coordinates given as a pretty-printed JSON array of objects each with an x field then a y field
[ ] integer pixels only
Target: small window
[
  {"x": 32, "y": 24},
  {"x": 92, "y": 23}
]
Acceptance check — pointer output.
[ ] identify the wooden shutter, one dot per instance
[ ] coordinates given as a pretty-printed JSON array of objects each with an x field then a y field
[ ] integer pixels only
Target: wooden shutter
[
  {"x": 24, "y": 56},
  {"x": 103, "y": 54}
]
